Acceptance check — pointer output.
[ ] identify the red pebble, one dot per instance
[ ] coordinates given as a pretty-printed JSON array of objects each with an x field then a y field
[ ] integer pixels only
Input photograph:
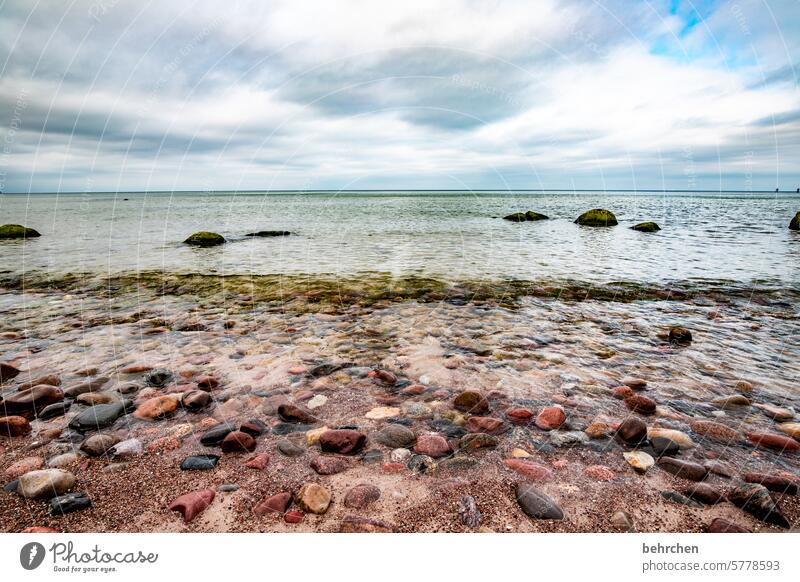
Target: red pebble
[
  {"x": 39, "y": 529},
  {"x": 258, "y": 462},
  {"x": 393, "y": 467},
  {"x": 191, "y": 504},
  {"x": 293, "y": 516}
]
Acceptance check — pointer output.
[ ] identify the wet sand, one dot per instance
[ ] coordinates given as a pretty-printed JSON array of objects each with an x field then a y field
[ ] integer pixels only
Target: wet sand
[{"x": 518, "y": 351}]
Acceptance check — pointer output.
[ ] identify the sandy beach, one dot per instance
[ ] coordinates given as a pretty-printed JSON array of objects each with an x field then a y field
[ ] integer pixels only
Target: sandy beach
[{"x": 414, "y": 409}]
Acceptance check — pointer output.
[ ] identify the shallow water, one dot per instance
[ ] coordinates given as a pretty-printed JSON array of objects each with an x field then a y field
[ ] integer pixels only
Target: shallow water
[{"x": 738, "y": 237}]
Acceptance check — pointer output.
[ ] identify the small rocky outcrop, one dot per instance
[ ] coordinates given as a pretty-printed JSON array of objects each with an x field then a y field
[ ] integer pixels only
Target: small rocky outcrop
[
  {"x": 17, "y": 231},
  {"x": 205, "y": 239},
  {"x": 528, "y": 216},
  {"x": 794, "y": 224},
  {"x": 646, "y": 227},
  {"x": 597, "y": 217},
  {"x": 268, "y": 233}
]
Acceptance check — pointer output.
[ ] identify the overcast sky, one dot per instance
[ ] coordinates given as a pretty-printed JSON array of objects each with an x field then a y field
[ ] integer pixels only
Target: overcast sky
[{"x": 117, "y": 95}]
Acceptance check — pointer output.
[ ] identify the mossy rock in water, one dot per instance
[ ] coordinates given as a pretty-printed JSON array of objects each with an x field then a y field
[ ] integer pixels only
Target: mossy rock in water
[
  {"x": 597, "y": 217},
  {"x": 530, "y": 215},
  {"x": 646, "y": 227},
  {"x": 205, "y": 239},
  {"x": 794, "y": 224},
  {"x": 17, "y": 231},
  {"x": 266, "y": 233}
]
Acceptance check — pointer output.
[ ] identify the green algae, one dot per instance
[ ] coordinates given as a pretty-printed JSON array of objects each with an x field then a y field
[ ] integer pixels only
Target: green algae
[{"x": 646, "y": 227}]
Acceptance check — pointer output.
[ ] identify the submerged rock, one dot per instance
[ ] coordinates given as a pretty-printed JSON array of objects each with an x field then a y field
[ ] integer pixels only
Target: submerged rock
[
  {"x": 97, "y": 417},
  {"x": 597, "y": 217},
  {"x": 679, "y": 335},
  {"x": 755, "y": 499},
  {"x": 528, "y": 216},
  {"x": 8, "y": 372},
  {"x": 205, "y": 239},
  {"x": 17, "y": 231},
  {"x": 268, "y": 233},
  {"x": 646, "y": 227}
]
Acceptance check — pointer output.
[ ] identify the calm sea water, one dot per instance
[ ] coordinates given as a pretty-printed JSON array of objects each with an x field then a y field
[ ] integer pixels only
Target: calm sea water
[{"x": 739, "y": 237}]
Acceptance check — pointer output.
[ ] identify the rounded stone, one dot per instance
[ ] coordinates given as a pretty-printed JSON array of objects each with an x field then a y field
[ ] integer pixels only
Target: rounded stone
[
  {"x": 361, "y": 496},
  {"x": 45, "y": 483},
  {"x": 313, "y": 498},
  {"x": 204, "y": 238},
  {"x": 551, "y": 418},
  {"x": 597, "y": 217}
]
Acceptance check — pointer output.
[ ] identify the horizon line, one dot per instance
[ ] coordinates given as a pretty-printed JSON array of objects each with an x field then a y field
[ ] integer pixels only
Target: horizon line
[{"x": 397, "y": 190}]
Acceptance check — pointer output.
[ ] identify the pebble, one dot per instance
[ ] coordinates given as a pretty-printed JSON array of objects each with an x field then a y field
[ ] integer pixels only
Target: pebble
[
  {"x": 295, "y": 414},
  {"x": 715, "y": 431},
  {"x": 520, "y": 454},
  {"x": 259, "y": 462},
  {"x": 254, "y": 427},
  {"x": 536, "y": 504},
  {"x": 679, "y": 335},
  {"x": 329, "y": 465},
  {"x": 487, "y": 424},
  {"x": 722, "y": 525},
  {"x": 676, "y": 497},
  {"x": 313, "y": 498},
  {"x": 773, "y": 441},
  {"x": 55, "y": 410},
  {"x": 293, "y": 516},
  {"x": 195, "y": 400},
  {"x": 98, "y": 444},
  {"x": 14, "y": 426},
  {"x": 32, "y": 400},
  {"x": 51, "y": 379},
  {"x": 61, "y": 461},
  {"x": 468, "y": 512},
  {"x": 382, "y": 412},
  {"x": 777, "y": 483},
  {"x": 156, "y": 408},
  {"x": 570, "y": 438},
  {"x": 127, "y": 448},
  {"x": 755, "y": 499},
  {"x": 372, "y": 456},
  {"x": 790, "y": 428},
  {"x": 635, "y": 383},
  {"x": 664, "y": 447},
  {"x": 432, "y": 445},
  {"x": 639, "y": 460},
  {"x": 422, "y": 464},
  {"x": 290, "y": 449},
  {"x": 277, "y": 503},
  {"x": 316, "y": 401},
  {"x": 69, "y": 503},
  {"x": 199, "y": 463},
  {"x": 24, "y": 466},
  {"x": 704, "y": 493},
  {"x": 98, "y": 417},
  {"x": 190, "y": 505},
  {"x": 551, "y": 418},
  {"x": 342, "y": 441},
  {"x": 598, "y": 429},
  {"x": 361, "y": 496},
  {"x": 417, "y": 410},
  {"x": 477, "y": 440},
  {"x": 519, "y": 416},
  {"x": 472, "y": 402},
  {"x": 84, "y": 387},
  {"x": 92, "y": 398},
  {"x": 238, "y": 442},
  {"x": 395, "y": 436},
  {"x": 529, "y": 469},
  {"x": 683, "y": 440},
  {"x": 622, "y": 392},
  {"x": 216, "y": 434},
  {"x": 158, "y": 378},
  {"x": 8, "y": 372},
  {"x": 45, "y": 483},
  {"x": 683, "y": 469},
  {"x": 732, "y": 401},
  {"x": 632, "y": 431},
  {"x": 776, "y": 413},
  {"x": 641, "y": 404}
]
